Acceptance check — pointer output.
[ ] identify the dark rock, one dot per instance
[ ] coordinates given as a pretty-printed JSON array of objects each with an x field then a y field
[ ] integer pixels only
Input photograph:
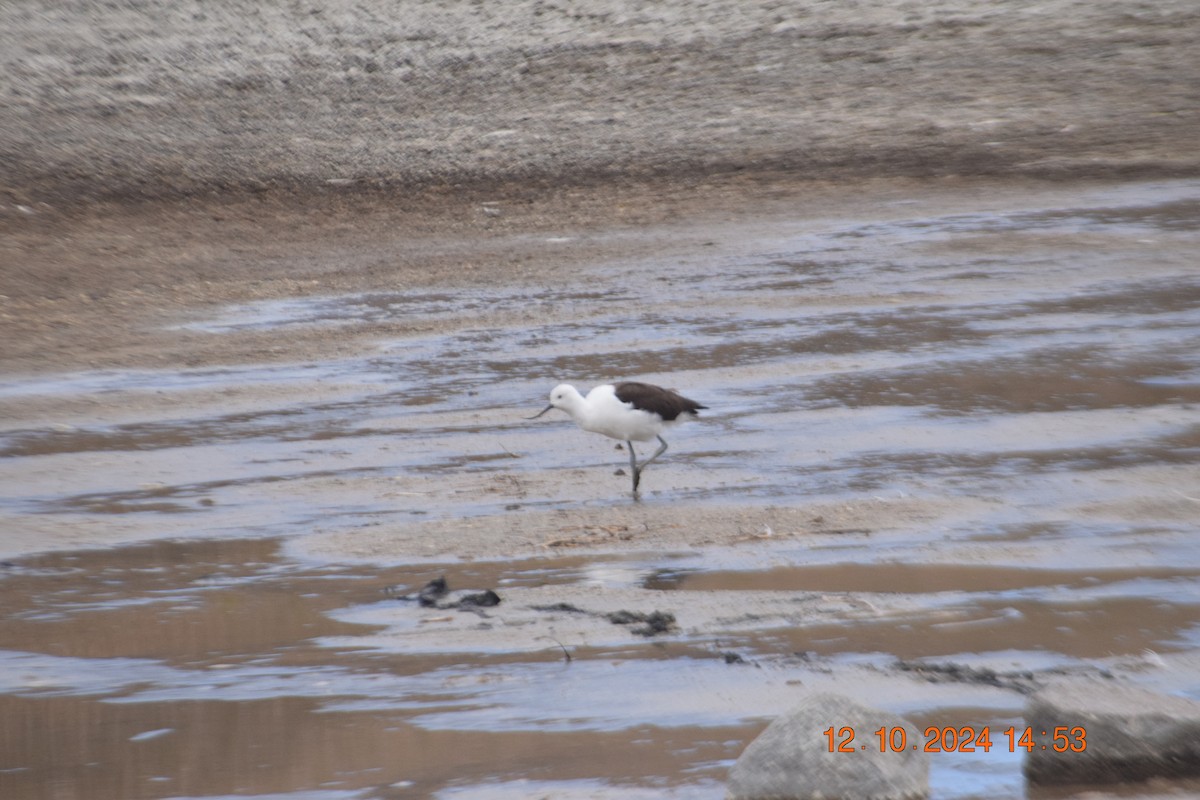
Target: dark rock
[
  {"x": 791, "y": 759},
  {"x": 432, "y": 592},
  {"x": 436, "y": 594},
  {"x": 485, "y": 599},
  {"x": 1110, "y": 734},
  {"x": 656, "y": 622},
  {"x": 564, "y": 607}
]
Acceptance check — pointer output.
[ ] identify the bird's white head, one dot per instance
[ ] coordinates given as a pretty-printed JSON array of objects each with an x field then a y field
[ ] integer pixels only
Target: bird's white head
[{"x": 564, "y": 396}]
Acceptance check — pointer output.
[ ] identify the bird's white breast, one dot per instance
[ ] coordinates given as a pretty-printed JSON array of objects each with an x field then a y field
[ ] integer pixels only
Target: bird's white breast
[{"x": 607, "y": 415}]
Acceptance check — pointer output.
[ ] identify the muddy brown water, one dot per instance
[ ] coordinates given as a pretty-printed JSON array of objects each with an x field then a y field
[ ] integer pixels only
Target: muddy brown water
[{"x": 983, "y": 416}]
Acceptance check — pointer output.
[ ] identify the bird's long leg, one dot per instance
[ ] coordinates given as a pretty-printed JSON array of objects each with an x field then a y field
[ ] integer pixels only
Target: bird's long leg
[
  {"x": 657, "y": 453},
  {"x": 633, "y": 466}
]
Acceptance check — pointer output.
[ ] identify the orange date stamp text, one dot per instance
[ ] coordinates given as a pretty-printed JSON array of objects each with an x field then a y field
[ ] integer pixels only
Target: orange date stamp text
[{"x": 949, "y": 739}]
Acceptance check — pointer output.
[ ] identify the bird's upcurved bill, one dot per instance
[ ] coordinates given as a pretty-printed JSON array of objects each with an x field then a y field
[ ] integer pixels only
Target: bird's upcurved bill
[{"x": 543, "y": 411}]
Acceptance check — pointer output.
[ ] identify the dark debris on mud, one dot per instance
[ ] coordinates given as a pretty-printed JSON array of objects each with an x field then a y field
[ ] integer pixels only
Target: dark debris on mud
[
  {"x": 655, "y": 622},
  {"x": 652, "y": 623},
  {"x": 437, "y": 594},
  {"x": 1025, "y": 682}
]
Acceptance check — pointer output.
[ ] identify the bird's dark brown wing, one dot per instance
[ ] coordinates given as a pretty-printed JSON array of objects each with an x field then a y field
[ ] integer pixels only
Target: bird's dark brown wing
[{"x": 666, "y": 403}]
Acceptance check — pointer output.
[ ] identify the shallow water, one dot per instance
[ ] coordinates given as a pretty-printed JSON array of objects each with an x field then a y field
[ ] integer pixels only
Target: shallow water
[
  {"x": 1030, "y": 372},
  {"x": 133, "y": 671}
]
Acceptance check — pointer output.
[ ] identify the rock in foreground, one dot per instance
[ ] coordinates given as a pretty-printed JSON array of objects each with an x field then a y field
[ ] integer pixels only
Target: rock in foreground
[
  {"x": 791, "y": 759},
  {"x": 1127, "y": 735}
]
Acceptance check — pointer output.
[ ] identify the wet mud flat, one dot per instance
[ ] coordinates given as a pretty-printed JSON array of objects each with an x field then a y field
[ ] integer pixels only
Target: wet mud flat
[
  {"x": 220, "y": 668},
  {"x": 953, "y": 455}
]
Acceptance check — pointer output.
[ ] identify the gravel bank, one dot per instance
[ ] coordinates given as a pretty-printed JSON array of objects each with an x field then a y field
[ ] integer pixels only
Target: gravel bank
[{"x": 156, "y": 99}]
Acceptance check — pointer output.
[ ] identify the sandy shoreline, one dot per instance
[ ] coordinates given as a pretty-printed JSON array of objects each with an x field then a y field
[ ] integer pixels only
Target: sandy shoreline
[
  {"x": 203, "y": 99},
  {"x": 112, "y": 287},
  {"x": 186, "y": 100},
  {"x": 159, "y": 163},
  {"x": 905, "y": 405},
  {"x": 161, "y": 169}
]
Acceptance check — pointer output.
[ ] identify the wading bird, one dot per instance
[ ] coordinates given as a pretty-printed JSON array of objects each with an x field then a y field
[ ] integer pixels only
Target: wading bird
[{"x": 629, "y": 411}]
